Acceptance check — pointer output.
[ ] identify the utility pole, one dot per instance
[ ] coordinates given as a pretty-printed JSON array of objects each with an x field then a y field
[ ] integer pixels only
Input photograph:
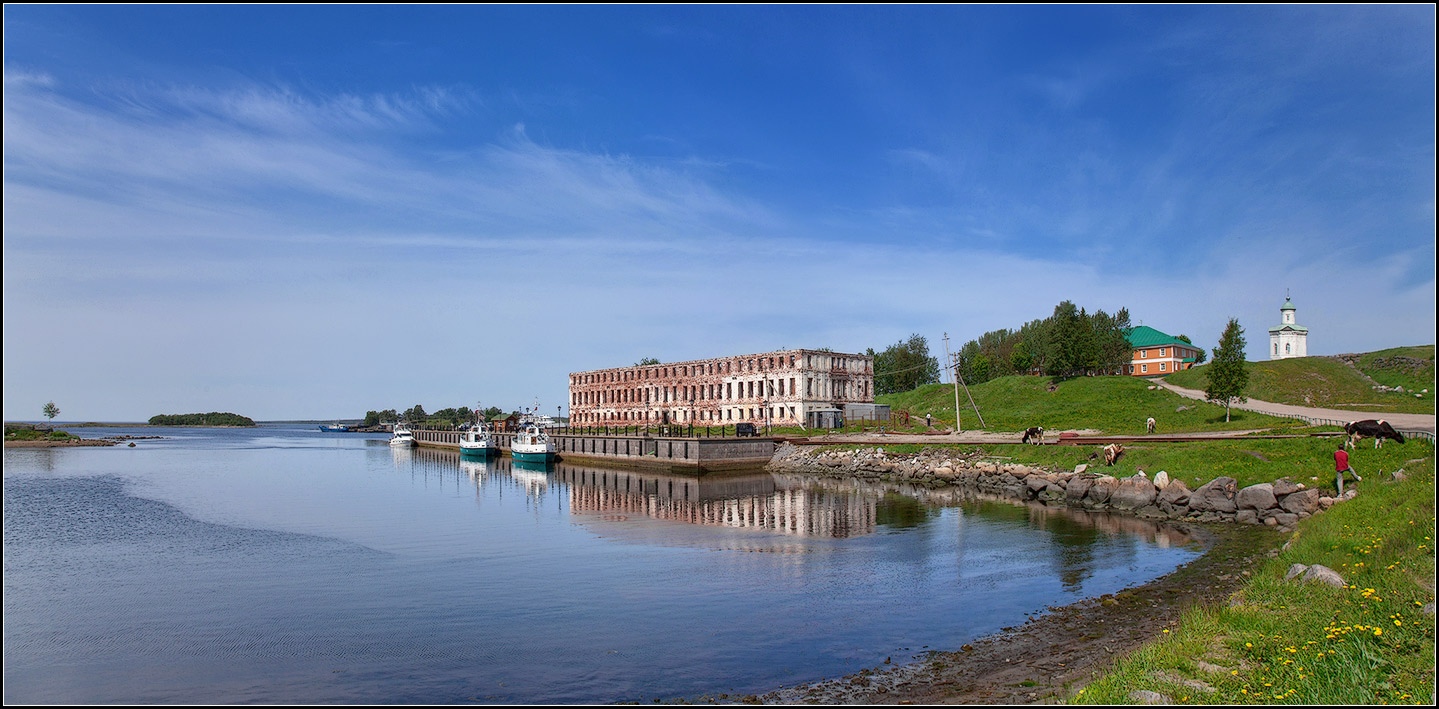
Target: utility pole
[{"x": 953, "y": 378}]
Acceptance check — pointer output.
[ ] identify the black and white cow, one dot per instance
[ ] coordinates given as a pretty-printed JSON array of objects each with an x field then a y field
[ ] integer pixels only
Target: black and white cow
[
  {"x": 1370, "y": 428},
  {"x": 1033, "y": 434}
]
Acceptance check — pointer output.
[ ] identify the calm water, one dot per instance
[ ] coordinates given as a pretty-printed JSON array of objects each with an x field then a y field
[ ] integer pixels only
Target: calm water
[{"x": 282, "y": 564}]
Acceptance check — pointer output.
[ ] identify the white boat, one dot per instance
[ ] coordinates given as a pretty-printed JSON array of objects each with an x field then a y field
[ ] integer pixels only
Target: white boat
[
  {"x": 533, "y": 444},
  {"x": 476, "y": 440},
  {"x": 403, "y": 437}
]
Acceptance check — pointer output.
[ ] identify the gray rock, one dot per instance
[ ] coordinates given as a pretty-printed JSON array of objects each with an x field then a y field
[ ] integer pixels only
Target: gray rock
[
  {"x": 1175, "y": 493},
  {"x": 1350, "y": 494},
  {"x": 1323, "y": 574},
  {"x": 1247, "y": 517},
  {"x": 1036, "y": 482},
  {"x": 1284, "y": 486},
  {"x": 1398, "y": 476},
  {"x": 1284, "y": 519},
  {"x": 1132, "y": 494},
  {"x": 1217, "y": 495},
  {"x": 1305, "y": 502},
  {"x": 1210, "y": 668},
  {"x": 1144, "y": 696},
  {"x": 1082, "y": 467},
  {"x": 1295, "y": 570},
  {"x": 1100, "y": 489},
  {"x": 1078, "y": 486},
  {"x": 1256, "y": 497}
]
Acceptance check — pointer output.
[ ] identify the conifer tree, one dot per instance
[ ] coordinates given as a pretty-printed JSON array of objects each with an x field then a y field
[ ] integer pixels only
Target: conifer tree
[{"x": 1227, "y": 374}]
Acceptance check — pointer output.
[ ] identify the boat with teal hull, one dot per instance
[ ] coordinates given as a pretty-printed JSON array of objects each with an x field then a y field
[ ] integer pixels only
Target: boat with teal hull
[{"x": 532, "y": 444}]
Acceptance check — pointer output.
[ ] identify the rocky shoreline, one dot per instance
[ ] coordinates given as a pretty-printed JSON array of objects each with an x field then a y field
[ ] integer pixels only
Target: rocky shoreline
[
  {"x": 1281, "y": 503},
  {"x": 73, "y": 443}
]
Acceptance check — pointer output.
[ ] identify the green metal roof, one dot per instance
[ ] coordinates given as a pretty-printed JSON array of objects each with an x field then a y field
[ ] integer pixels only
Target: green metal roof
[
  {"x": 1287, "y": 305},
  {"x": 1145, "y": 336}
]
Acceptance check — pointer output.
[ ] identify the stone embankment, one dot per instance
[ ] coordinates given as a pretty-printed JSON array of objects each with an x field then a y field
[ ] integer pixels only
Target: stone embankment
[{"x": 1281, "y": 503}]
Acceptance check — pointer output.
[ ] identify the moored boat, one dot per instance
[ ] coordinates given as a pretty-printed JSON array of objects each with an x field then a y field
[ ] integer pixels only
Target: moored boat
[
  {"x": 335, "y": 428},
  {"x": 532, "y": 444},
  {"x": 402, "y": 437},
  {"x": 476, "y": 440}
]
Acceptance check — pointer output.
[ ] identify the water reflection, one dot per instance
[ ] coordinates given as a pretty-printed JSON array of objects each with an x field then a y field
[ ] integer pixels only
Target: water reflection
[{"x": 793, "y": 505}]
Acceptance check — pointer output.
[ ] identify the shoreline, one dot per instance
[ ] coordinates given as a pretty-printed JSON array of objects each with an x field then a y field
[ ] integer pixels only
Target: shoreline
[
  {"x": 1053, "y": 655},
  {"x": 76, "y": 443}
]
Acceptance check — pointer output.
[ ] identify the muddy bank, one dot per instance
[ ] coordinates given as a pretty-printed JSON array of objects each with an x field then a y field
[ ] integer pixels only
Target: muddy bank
[{"x": 1053, "y": 655}]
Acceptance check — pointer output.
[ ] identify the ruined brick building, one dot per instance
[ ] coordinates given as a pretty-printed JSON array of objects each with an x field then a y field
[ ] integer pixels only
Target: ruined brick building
[{"x": 788, "y": 388}]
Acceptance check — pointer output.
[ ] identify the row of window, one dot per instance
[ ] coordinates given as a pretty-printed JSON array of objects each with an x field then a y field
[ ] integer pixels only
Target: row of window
[
  {"x": 701, "y": 392},
  {"x": 750, "y": 364},
  {"x": 778, "y": 413},
  {"x": 1164, "y": 352}
]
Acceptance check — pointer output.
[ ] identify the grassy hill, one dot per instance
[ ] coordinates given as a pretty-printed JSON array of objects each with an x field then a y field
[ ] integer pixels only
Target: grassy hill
[
  {"x": 1330, "y": 383},
  {"x": 1114, "y": 405},
  {"x": 1409, "y": 367}
]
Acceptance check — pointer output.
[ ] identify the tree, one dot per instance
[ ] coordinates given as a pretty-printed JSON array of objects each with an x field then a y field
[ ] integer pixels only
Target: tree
[
  {"x": 51, "y": 411},
  {"x": 904, "y": 366},
  {"x": 647, "y": 362},
  {"x": 1227, "y": 375},
  {"x": 1020, "y": 358},
  {"x": 1200, "y": 354}
]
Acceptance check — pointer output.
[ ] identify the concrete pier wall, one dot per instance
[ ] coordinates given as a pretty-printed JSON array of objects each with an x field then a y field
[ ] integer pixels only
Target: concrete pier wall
[{"x": 681, "y": 454}]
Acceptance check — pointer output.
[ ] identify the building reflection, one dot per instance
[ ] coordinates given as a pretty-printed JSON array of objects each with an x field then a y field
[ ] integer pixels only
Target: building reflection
[
  {"x": 801, "y": 506},
  {"x": 756, "y": 501}
]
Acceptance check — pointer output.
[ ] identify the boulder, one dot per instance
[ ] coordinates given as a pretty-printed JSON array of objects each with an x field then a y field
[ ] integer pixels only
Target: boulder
[
  {"x": 1175, "y": 493},
  {"x": 1161, "y": 480},
  {"x": 1078, "y": 486},
  {"x": 1295, "y": 570},
  {"x": 1035, "y": 483},
  {"x": 1256, "y": 497},
  {"x": 1247, "y": 516},
  {"x": 1217, "y": 495},
  {"x": 1284, "y": 486},
  {"x": 1132, "y": 494},
  {"x": 1100, "y": 489},
  {"x": 1323, "y": 574},
  {"x": 1082, "y": 467},
  {"x": 1305, "y": 502}
]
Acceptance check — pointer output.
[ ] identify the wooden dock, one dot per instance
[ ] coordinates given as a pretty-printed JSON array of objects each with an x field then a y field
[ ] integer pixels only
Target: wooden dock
[{"x": 677, "y": 454}]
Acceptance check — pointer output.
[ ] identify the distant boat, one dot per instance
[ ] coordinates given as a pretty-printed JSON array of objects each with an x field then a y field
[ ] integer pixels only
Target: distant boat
[
  {"x": 403, "y": 437},
  {"x": 532, "y": 444},
  {"x": 476, "y": 440},
  {"x": 335, "y": 428}
]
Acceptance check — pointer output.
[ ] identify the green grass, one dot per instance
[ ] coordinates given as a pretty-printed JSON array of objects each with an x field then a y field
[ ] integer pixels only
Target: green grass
[
  {"x": 1292, "y": 643},
  {"x": 1322, "y": 382},
  {"x": 1114, "y": 405},
  {"x": 1308, "y": 460}
]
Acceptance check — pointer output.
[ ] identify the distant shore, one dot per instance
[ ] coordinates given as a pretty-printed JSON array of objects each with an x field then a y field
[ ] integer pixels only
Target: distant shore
[{"x": 71, "y": 443}]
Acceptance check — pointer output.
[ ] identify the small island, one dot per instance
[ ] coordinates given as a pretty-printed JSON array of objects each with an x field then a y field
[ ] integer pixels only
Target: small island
[
  {"x": 214, "y": 418},
  {"x": 25, "y": 435}
]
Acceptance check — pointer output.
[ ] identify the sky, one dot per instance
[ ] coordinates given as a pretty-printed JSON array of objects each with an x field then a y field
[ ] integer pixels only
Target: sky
[{"x": 309, "y": 212}]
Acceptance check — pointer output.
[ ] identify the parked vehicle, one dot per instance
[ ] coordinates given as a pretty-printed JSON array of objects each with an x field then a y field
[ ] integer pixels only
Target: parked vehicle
[{"x": 745, "y": 429}]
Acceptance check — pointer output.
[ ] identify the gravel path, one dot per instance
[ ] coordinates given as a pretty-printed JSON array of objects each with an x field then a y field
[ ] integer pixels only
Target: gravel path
[{"x": 1403, "y": 422}]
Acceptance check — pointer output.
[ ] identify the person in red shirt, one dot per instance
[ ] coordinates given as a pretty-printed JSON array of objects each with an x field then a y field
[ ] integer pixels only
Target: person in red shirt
[{"x": 1341, "y": 466}]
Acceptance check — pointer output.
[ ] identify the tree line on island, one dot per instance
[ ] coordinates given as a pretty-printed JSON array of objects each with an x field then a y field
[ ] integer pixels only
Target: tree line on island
[
  {"x": 214, "y": 418},
  {"x": 1071, "y": 342},
  {"x": 416, "y": 416}
]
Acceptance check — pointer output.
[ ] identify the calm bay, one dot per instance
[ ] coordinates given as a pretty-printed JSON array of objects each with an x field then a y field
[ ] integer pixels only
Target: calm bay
[{"x": 285, "y": 565}]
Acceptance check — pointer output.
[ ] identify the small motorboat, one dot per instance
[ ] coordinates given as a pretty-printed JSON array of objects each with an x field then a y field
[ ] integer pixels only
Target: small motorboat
[
  {"x": 476, "y": 440},
  {"x": 335, "y": 428},
  {"x": 532, "y": 444},
  {"x": 403, "y": 437}
]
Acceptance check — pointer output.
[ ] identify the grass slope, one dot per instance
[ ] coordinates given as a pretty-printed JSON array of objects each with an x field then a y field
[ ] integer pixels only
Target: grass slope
[
  {"x": 1114, "y": 405},
  {"x": 1316, "y": 381},
  {"x": 1409, "y": 367},
  {"x": 1280, "y": 642}
]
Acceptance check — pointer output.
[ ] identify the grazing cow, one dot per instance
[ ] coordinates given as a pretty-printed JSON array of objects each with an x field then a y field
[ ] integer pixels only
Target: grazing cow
[
  {"x": 1149, "y": 425},
  {"x": 1033, "y": 434},
  {"x": 1370, "y": 428},
  {"x": 1112, "y": 453}
]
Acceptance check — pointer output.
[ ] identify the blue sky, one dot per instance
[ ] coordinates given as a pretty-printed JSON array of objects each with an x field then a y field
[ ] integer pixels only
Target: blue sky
[{"x": 310, "y": 212}]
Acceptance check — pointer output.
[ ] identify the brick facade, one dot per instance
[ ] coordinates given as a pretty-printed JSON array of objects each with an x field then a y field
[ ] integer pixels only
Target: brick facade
[{"x": 781, "y": 388}]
